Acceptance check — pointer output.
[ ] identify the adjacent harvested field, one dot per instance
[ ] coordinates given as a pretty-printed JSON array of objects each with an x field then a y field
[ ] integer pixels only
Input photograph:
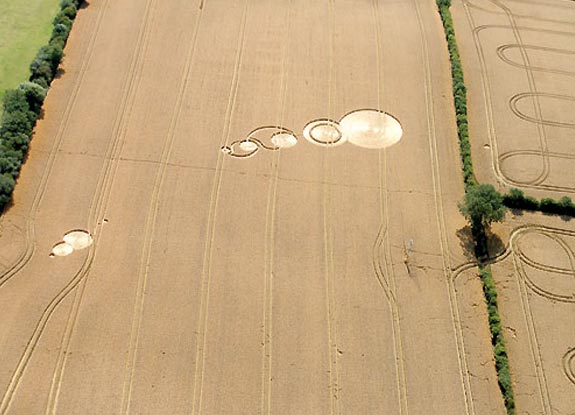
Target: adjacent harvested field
[
  {"x": 537, "y": 292},
  {"x": 24, "y": 27},
  {"x": 306, "y": 280},
  {"x": 519, "y": 60},
  {"x": 519, "y": 65}
]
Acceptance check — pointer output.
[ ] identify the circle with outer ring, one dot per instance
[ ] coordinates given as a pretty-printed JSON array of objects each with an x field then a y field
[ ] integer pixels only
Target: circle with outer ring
[{"x": 324, "y": 132}]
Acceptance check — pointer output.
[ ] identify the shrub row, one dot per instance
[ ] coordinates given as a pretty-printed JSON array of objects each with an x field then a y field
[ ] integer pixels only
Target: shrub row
[
  {"x": 516, "y": 199},
  {"x": 497, "y": 340},
  {"x": 22, "y": 106},
  {"x": 459, "y": 93},
  {"x": 460, "y": 99}
]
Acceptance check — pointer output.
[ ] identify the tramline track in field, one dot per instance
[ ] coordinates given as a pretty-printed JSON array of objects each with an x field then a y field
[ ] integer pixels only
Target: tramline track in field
[
  {"x": 269, "y": 245},
  {"x": 202, "y": 321}
]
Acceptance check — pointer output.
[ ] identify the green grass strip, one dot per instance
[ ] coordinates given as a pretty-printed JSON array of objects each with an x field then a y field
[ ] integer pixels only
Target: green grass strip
[{"x": 24, "y": 27}]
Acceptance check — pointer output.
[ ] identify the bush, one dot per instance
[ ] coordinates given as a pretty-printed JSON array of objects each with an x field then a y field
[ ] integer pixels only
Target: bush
[
  {"x": 10, "y": 163},
  {"x": 6, "y": 187},
  {"x": 35, "y": 95},
  {"x": 16, "y": 122},
  {"x": 62, "y": 19}
]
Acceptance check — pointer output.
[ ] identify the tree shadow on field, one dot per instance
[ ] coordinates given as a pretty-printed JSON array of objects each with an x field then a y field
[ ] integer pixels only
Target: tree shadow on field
[
  {"x": 40, "y": 117},
  {"x": 466, "y": 242},
  {"x": 84, "y": 5},
  {"x": 59, "y": 72},
  {"x": 516, "y": 212},
  {"x": 495, "y": 245},
  {"x": 4, "y": 209}
]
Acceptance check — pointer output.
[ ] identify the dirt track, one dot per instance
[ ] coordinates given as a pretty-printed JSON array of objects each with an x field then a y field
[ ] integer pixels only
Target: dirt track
[
  {"x": 308, "y": 280},
  {"x": 519, "y": 66}
]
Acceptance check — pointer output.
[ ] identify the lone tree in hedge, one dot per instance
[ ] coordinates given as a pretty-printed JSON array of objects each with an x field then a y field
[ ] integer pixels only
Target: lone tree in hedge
[{"x": 482, "y": 206}]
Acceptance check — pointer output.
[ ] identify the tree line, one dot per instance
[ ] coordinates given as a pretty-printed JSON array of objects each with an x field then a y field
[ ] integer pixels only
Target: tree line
[{"x": 23, "y": 105}]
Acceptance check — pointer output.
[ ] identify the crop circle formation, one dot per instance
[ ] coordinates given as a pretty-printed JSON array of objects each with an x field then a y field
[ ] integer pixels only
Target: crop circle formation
[
  {"x": 367, "y": 128},
  {"x": 73, "y": 241}
]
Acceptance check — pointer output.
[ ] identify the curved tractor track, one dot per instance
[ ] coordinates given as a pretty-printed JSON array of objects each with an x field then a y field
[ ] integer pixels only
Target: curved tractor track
[
  {"x": 569, "y": 365},
  {"x": 526, "y": 285}
]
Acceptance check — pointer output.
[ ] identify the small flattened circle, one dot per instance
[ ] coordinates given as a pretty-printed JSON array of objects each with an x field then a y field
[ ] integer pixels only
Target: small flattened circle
[
  {"x": 62, "y": 249},
  {"x": 324, "y": 133},
  {"x": 248, "y": 146},
  {"x": 240, "y": 149},
  {"x": 284, "y": 140}
]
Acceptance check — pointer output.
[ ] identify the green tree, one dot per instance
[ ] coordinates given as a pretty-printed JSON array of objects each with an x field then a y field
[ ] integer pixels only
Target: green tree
[
  {"x": 6, "y": 187},
  {"x": 35, "y": 95},
  {"x": 482, "y": 206}
]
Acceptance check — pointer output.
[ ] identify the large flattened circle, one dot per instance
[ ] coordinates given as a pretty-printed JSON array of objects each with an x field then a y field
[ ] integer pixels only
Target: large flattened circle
[
  {"x": 371, "y": 129},
  {"x": 78, "y": 239}
]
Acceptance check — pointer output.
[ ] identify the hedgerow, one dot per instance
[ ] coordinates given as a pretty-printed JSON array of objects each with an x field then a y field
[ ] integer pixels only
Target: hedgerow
[
  {"x": 516, "y": 199},
  {"x": 479, "y": 230},
  {"x": 23, "y": 105},
  {"x": 497, "y": 340},
  {"x": 459, "y": 94}
]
